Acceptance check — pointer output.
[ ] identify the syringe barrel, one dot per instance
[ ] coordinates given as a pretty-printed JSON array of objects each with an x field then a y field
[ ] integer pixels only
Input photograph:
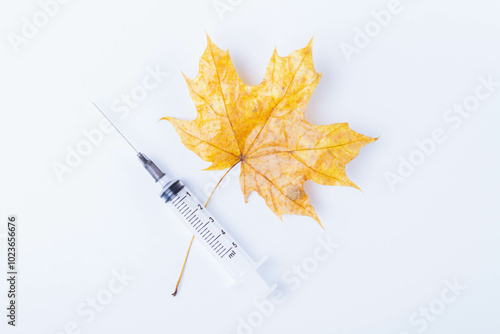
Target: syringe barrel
[{"x": 212, "y": 235}]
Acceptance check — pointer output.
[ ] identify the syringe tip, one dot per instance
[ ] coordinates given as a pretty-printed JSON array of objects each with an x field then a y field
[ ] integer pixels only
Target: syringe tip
[{"x": 150, "y": 166}]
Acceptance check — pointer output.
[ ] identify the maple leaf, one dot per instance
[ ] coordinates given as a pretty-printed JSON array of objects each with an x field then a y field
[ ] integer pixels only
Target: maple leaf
[{"x": 264, "y": 128}]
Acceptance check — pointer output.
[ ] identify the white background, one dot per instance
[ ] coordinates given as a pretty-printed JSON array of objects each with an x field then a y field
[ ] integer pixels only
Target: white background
[{"x": 397, "y": 248}]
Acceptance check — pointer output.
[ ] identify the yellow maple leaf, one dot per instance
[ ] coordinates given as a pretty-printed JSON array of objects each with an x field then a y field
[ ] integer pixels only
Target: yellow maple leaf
[{"x": 264, "y": 128}]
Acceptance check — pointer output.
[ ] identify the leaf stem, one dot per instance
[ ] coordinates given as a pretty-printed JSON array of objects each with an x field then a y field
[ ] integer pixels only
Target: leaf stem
[
  {"x": 183, "y": 265},
  {"x": 192, "y": 237},
  {"x": 222, "y": 178}
]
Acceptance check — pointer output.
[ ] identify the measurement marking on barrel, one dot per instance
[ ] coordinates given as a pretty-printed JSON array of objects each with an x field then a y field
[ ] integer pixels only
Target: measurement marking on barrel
[
  {"x": 180, "y": 201},
  {"x": 192, "y": 213},
  {"x": 214, "y": 239}
]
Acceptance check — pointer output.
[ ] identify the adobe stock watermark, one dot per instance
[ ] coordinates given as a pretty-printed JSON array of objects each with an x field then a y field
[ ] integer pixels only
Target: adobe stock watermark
[
  {"x": 421, "y": 319},
  {"x": 89, "y": 309},
  {"x": 94, "y": 137},
  {"x": 363, "y": 37},
  {"x": 222, "y": 7},
  {"x": 30, "y": 27},
  {"x": 293, "y": 279},
  {"x": 454, "y": 118}
]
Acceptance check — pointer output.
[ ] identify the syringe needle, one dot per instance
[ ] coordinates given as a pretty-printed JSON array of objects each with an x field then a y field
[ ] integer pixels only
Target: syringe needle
[
  {"x": 203, "y": 226},
  {"x": 147, "y": 163},
  {"x": 114, "y": 126}
]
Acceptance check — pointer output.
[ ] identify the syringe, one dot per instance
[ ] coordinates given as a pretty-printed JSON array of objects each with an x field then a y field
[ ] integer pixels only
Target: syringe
[{"x": 204, "y": 227}]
